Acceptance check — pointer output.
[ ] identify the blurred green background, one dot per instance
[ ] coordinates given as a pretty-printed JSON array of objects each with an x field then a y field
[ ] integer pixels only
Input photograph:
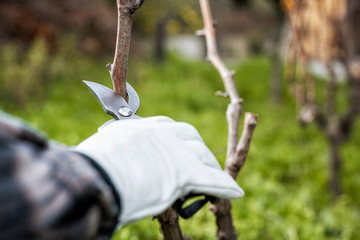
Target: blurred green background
[{"x": 285, "y": 176}]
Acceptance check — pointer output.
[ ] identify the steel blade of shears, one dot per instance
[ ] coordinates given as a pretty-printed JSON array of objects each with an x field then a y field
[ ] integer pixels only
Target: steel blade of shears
[{"x": 111, "y": 102}]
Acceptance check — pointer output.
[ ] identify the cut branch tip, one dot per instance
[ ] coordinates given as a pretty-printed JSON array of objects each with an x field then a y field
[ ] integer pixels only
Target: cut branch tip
[{"x": 251, "y": 118}]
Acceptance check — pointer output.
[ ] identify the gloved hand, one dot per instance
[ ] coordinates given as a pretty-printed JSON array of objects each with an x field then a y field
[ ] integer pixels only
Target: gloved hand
[{"x": 154, "y": 161}]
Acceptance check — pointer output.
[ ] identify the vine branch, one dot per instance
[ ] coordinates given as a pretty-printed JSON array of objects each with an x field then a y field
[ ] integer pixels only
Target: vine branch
[
  {"x": 236, "y": 149},
  {"x": 118, "y": 72},
  {"x": 169, "y": 224},
  {"x": 118, "y": 69}
]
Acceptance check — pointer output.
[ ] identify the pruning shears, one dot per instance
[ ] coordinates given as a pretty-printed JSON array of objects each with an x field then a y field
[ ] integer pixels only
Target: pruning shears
[{"x": 120, "y": 109}]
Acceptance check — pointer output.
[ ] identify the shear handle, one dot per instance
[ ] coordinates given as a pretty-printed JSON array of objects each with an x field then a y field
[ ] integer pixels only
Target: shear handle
[{"x": 193, "y": 208}]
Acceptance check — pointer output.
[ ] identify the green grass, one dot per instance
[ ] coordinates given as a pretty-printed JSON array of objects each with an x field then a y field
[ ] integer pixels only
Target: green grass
[{"x": 285, "y": 176}]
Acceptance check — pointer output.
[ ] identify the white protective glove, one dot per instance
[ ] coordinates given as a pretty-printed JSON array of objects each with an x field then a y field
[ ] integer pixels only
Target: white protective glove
[{"x": 154, "y": 161}]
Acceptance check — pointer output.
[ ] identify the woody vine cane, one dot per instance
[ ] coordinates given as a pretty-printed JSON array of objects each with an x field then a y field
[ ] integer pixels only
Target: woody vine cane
[
  {"x": 118, "y": 69},
  {"x": 118, "y": 72},
  {"x": 237, "y": 149}
]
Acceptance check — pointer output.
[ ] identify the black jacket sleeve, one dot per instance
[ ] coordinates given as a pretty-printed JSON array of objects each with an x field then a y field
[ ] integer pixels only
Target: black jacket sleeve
[{"x": 49, "y": 192}]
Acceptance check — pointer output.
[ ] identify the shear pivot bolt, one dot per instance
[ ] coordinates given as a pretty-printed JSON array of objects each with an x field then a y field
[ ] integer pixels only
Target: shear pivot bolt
[{"x": 125, "y": 111}]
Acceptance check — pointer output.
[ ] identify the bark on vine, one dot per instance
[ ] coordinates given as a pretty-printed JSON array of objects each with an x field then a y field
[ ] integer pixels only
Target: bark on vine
[{"x": 236, "y": 149}]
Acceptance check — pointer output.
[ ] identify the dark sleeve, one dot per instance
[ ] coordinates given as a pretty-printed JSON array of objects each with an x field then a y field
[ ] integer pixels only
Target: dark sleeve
[{"x": 48, "y": 192}]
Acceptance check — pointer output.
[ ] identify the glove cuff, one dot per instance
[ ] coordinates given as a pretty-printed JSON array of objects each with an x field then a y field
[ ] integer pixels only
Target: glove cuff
[{"x": 106, "y": 178}]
